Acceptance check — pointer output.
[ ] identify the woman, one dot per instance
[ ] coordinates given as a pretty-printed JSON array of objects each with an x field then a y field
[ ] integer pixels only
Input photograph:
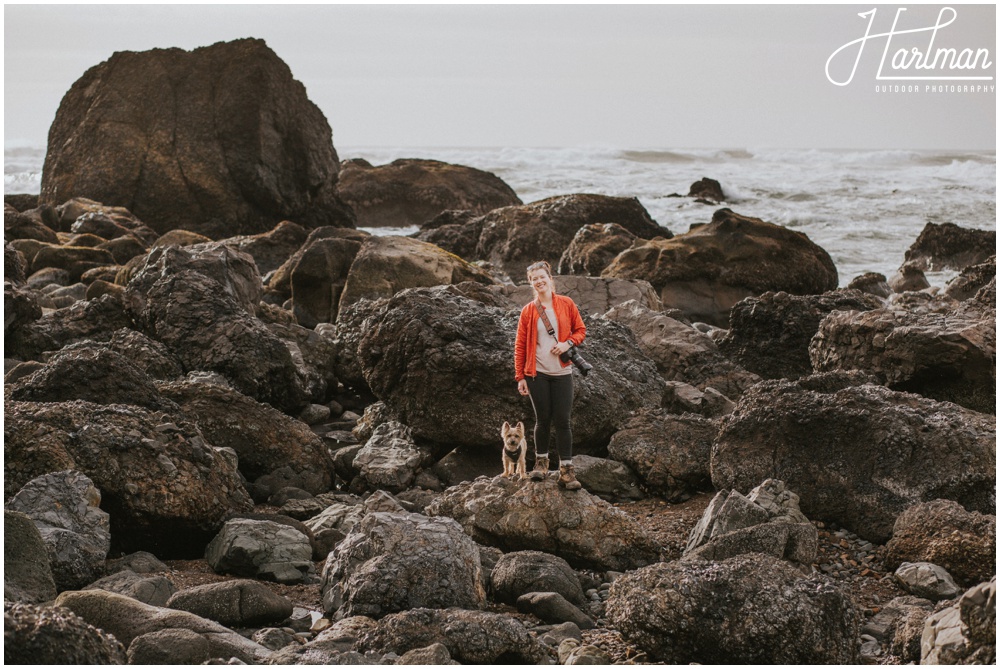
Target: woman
[{"x": 542, "y": 375}]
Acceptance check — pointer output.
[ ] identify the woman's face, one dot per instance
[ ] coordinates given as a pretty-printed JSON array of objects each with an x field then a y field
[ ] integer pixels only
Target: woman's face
[{"x": 540, "y": 280}]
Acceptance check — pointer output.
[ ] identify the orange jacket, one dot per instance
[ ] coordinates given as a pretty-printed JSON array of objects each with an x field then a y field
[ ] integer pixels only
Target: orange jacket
[{"x": 568, "y": 319}]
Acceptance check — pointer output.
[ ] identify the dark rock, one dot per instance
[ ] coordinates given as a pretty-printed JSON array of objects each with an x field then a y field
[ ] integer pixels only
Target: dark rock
[
  {"x": 670, "y": 454},
  {"x": 681, "y": 352},
  {"x": 92, "y": 373},
  {"x": 140, "y": 562},
  {"x": 471, "y": 637},
  {"x": 593, "y": 248},
  {"x": 944, "y": 356},
  {"x": 583, "y": 529},
  {"x": 709, "y": 269},
  {"x": 552, "y": 607},
  {"x": 65, "y": 506},
  {"x": 95, "y": 319},
  {"x": 152, "y": 590},
  {"x": 280, "y": 282},
  {"x": 409, "y": 192},
  {"x": 74, "y": 259},
  {"x": 271, "y": 249},
  {"x": 391, "y": 459},
  {"x": 857, "y": 455},
  {"x": 442, "y": 364},
  {"x": 943, "y": 533},
  {"x": 27, "y": 225},
  {"x": 521, "y": 572},
  {"x": 86, "y": 212},
  {"x": 275, "y": 638},
  {"x": 769, "y": 335},
  {"x": 707, "y": 189},
  {"x": 145, "y": 354},
  {"x": 27, "y": 575},
  {"x": 239, "y": 603},
  {"x": 972, "y": 279},
  {"x": 179, "y": 238},
  {"x": 165, "y": 489},
  {"x": 209, "y": 331},
  {"x": 169, "y": 646},
  {"x": 908, "y": 279},
  {"x": 260, "y": 549},
  {"x": 14, "y": 265},
  {"x": 872, "y": 283},
  {"x": 51, "y": 635},
  {"x": 397, "y": 561},
  {"x": 263, "y": 438},
  {"x": 680, "y": 398},
  {"x": 948, "y": 246},
  {"x": 173, "y": 164},
  {"x": 313, "y": 356},
  {"x": 514, "y": 237},
  {"x": 317, "y": 279},
  {"x": 767, "y": 521},
  {"x": 455, "y": 231},
  {"x": 748, "y": 609},
  {"x": 434, "y": 654},
  {"x": 610, "y": 480},
  {"x": 21, "y": 201},
  {"x": 899, "y": 625},
  {"x": 386, "y": 265},
  {"x": 123, "y": 249},
  {"x": 128, "y": 620},
  {"x": 20, "y": 309},
  {"x": 466, "y": 463}
]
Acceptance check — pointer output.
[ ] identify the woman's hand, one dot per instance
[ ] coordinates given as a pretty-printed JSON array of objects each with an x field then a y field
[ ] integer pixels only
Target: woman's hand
[
  {"x": 560, "y": 348},
  {"x": 522, "y": 387}
]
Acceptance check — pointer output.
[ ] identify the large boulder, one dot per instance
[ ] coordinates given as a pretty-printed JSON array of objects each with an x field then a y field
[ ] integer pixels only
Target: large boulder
[
  {"x": 442, "y": 363},
  {"x": 271, "y": 249},
  {"x": 965, "y": 632},
  {"x": 398, "y": 561},
  {"x": 945, "y": 534},
  {"x": 770, "y": 334},
  {"x": 750, "y": 609},
  {"x": 972, "y": 279},
  {"x": 521, "y": 572},
  {"x": 593, "y": 248},
  {"x": 709, "y": 269},
  {"x": 768, "y": 520},
  {"x": 210, "y": 331},
  {"x": 582, "y": 529},
  {"x": 514, "y": 237},
  {"x": 315, "y": 277},
  {"x": 264, "y": 438},
  {"x": 93, "y": 373},
  {"x": 20, "y": 308},
  {"x": 670, "y": 454},
  {"x": 146, "y": 588},
  {"x": 410, "y": 192},
  {"x": 386, "y": 265},
  {"x": 128, "y": 619},
  {"x": 682, "y": 352},
  {"x": 472, "y": 637},
  {"x": 390, "y": 459},
  {"x": 858, "y": 455},
  {"x": 96, "y": 319},
  {"x": 65, "y": 506},
  {"x": 165, "y": 488},
  {"x": 27, "y": 576},
  {"x": 140, "y": 130},
  {"x": 237, "y": 603},
  {"x": 52, "y": 635},
  {"x": 945, "y": 356},
  {"x": 949, "y": 246},
  {"x": 260, "y": 549}
]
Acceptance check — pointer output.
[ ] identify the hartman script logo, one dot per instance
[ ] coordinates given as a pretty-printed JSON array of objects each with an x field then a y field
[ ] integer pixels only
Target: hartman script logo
[{"x": 913, "y": 53}]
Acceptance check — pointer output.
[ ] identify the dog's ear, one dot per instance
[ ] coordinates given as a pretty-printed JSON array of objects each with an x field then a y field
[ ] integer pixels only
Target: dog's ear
[
  {"x": 520, "y": 425},
  {"x": 506, "y": 426}
]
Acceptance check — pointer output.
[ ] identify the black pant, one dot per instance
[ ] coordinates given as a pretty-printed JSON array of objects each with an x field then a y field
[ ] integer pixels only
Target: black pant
[{"x": 552, "y": 400}]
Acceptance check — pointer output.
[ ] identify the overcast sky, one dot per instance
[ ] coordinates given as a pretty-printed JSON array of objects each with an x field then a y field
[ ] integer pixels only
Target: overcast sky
[{"x": 648, "y": 76}]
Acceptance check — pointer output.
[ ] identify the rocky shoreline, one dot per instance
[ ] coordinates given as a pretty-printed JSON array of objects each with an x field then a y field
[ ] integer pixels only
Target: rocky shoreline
[{"x": 240, "y": 430}]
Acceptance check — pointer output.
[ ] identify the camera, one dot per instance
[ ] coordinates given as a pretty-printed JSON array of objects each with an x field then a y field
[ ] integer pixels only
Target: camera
[{"x": 573, "y": 355}]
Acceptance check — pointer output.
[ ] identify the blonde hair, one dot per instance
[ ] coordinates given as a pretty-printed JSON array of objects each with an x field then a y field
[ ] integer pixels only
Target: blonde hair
[{"x": 541, "y": 264}]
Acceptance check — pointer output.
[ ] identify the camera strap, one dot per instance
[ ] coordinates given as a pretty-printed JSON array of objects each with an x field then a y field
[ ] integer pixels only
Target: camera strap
[{"x": 545, "y": 320}]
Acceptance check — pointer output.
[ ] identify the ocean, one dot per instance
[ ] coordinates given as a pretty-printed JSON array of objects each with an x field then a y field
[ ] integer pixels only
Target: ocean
[{"x": 864, "y": 207}]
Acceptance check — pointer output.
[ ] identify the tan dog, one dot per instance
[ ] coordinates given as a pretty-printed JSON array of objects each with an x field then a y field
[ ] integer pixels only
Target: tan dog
[{"x": 515, "y": 447}]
